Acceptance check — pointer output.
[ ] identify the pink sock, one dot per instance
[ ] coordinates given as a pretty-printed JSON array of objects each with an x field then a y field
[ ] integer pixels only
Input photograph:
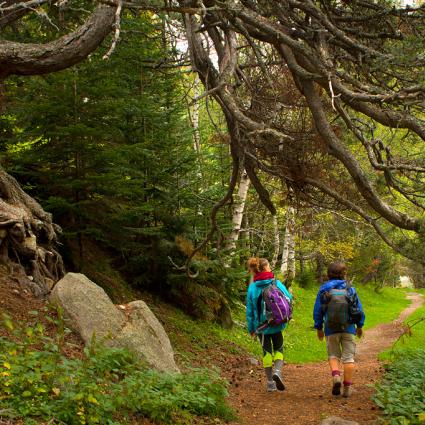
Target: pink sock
[
  {"x": 347, "y": 383},
  {"x": 336, "y": 373}
]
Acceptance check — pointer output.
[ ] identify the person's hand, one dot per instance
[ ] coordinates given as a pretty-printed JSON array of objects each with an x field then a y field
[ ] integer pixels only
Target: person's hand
[
  {"x": 359, "y": 332},
  {"x": 320, "y": 334}
]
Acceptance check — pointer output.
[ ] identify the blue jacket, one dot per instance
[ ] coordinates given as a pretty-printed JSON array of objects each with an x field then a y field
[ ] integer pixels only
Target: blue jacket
[
  {"x": 319, "y": 315},
  {"x": 254, "y": 291}
]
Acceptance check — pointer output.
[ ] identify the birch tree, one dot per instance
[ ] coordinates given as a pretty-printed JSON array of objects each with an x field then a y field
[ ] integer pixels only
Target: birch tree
[
  {"x": 287, "y": 266},
  {"x": 238, "y": 211},
  {"x": 352, "y": 72}
]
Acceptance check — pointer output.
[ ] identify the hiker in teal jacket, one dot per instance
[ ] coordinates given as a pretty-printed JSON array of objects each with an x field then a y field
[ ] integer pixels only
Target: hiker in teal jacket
[{"x": 271, "y": 338}]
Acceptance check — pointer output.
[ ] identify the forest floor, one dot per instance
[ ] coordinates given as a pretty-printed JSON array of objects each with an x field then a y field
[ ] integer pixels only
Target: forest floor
[{"x": 307, "y": 398}]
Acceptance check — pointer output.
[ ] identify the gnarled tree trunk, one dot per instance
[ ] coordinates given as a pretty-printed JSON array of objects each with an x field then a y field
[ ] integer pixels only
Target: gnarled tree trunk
[{"x": 27, "y": 238}]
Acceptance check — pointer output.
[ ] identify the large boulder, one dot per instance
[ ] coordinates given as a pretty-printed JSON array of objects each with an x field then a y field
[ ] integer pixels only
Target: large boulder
[
  {"x": 144, "y": 335},
  {"x": 89, "y": 311}
]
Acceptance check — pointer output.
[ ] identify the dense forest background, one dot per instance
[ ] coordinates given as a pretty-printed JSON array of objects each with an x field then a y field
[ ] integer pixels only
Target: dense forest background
[{"x": 130, "y": 158}]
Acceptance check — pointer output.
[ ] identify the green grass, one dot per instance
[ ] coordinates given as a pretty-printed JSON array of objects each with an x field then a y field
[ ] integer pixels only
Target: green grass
[
  {"x": 193, "y": 338},
  {"x": 301, "y": 342},
  {"x": 412, "y": 341},
  {"x": 194, "y": 341}
]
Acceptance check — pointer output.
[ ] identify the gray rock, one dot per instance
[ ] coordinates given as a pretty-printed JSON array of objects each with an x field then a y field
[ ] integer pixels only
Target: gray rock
[
  {"x": 89, "y": 311},
  {"x": 144, "y": 335},
  {"x": 86, "y": 307},
  {"x": 335, "y": 420}
]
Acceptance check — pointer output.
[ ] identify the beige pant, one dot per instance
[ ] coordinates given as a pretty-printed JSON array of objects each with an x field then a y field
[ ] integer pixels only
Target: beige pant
[{"x": 341, "y": 346}]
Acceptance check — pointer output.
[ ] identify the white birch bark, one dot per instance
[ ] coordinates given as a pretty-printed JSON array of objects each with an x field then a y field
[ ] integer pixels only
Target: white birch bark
[
  {"x": 238, "y": 210},
  {"x": 276, "y": 242},
  {"x": 288, "y": 252},
  {"x": 291, "y": 250},
  {"x": 195, "y": 117}
]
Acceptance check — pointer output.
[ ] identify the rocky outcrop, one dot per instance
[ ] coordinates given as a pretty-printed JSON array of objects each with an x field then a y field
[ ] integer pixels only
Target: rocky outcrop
[{"x": 89, "y": 311}]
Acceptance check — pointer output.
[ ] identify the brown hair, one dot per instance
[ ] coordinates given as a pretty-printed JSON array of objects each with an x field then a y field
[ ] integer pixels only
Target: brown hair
[
  {"x": 337, "y": 270},
  {"x": 257, "y": 265}
]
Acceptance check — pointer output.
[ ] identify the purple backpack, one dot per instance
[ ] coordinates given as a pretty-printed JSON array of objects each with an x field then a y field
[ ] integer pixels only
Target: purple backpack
[{"x": 276, "y": 308}]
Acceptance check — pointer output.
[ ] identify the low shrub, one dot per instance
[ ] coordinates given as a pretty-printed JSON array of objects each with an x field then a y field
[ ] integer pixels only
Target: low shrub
[
  {"x": 107, "y": 385},
  {"x": 401, "y": 393}
]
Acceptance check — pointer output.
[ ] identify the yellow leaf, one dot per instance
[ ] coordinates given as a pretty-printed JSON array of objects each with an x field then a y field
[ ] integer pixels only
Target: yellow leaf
[
  {"x": 91, "y": 399},
  {"x": 56, "y": 391},
  {"x": 6, "y": 365},
  {"x": 421, "y": 417}
]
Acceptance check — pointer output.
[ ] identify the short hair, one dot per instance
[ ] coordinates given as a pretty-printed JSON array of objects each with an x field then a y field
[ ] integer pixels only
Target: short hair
[{"x": 337, "y": 270}]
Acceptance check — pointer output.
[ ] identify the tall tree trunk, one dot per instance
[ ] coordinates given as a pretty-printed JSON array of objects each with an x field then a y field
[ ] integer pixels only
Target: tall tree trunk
[
  {"x": 195, "y": 117},
  {"x": 238, "y": 210},
  {"x": 287, "y": 267},
  {"x": 276, "y": 242},
  {"x": 291, "y": 251}
]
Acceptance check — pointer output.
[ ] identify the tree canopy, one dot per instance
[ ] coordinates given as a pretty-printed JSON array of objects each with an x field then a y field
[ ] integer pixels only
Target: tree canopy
[{"x": 323, "y": 103}]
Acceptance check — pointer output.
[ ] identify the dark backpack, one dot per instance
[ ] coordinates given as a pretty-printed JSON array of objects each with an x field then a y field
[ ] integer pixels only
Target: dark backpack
[
  {"x": 336, "y": 304},
  {"x": 342, "y": 309},
  {"x": 274, "y": 307}
]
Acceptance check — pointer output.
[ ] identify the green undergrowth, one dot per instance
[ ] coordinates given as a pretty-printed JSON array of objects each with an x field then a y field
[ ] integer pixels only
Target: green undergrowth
[
  {"x": 106, "y": 386},
  {"x": 198, "y": 342},
  {"x": 195, "y": 340},
  {"x": 401, "y": 394}
]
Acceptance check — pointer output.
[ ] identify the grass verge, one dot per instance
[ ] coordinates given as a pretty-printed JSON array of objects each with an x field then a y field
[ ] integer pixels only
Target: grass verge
[
  {"x": 192, "y": 338},
  {"x": 400, "y": 394},
  {"x": 412, "y": 340}
]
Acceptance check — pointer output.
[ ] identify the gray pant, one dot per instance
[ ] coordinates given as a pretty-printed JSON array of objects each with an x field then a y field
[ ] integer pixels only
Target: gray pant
[{"x": 341, "y": 346}]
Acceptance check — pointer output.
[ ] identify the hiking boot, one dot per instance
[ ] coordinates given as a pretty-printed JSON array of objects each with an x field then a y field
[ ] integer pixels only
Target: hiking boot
[
  {"x": 277, "y": 378},
  {"x": 271, "y": 386},
  {"x": 346, "y": 391},
  {"x": 336, "y": 387}
]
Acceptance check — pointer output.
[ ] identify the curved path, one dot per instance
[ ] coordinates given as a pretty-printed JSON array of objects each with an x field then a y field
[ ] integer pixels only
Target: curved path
[{"x": 307, "y": 399}]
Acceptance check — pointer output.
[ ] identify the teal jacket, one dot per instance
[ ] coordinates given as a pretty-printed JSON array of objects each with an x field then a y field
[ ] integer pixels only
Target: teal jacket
[{"x": 254, "y": 291}]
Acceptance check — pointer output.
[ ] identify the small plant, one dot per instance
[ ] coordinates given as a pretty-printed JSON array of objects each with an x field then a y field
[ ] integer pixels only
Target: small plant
[
  {"x": 307, "y": 279},
  {"x": 401, "y": 394},
  {"x": 106, "y": 386}
]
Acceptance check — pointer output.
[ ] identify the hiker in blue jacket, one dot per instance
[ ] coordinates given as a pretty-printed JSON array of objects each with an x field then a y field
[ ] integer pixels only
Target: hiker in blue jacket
[
  {"x": 341, "y": 324},
  {"x": 271, "y": 338}
]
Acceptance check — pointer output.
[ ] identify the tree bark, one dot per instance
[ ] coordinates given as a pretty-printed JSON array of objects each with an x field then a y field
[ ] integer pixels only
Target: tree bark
[
  {"x": 287, "y": 266},
  {"x": 238, "y": 210},
  {"x": 28, "y": 238},
  {"x": 276, "y": 244},
  {"x": 33, "y": 59}
]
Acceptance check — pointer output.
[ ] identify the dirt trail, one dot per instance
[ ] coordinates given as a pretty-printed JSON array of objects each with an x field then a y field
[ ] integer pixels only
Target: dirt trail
[{"x": 307, "y": 398}]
